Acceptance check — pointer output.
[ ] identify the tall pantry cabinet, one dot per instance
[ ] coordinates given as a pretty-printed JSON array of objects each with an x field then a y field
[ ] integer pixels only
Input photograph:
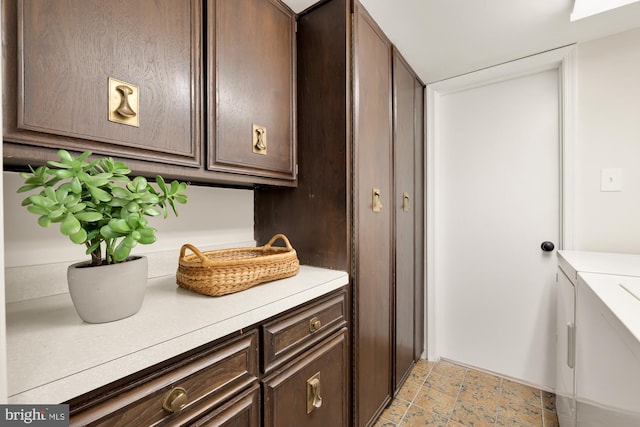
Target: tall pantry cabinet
[
  {"x": 342, "y": 214},
  {"x": 408, "y": 125}
]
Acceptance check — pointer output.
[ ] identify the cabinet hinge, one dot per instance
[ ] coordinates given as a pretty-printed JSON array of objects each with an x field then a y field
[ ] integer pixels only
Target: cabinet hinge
[
  {"x": 295, "y": 26},
  {"x": 296, "y": 169}
]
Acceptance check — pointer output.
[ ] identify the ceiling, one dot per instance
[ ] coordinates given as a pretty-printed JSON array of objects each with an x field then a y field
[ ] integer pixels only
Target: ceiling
[{"x": 446, "y": 38}]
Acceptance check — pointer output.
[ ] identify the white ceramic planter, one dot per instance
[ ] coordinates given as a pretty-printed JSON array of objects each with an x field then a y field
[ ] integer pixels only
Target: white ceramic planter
[{"x": 108, "y": 292}]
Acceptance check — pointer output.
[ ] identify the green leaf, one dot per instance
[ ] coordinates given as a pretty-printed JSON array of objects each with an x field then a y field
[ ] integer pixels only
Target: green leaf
[
  {"x": 65, "y": 156},
  {"x": 44, "y": 221},
  {"x": 61, "y": 194},
  {"x": 118, "y": 202},
  {"x": 76, "y": 187},
  {"x": 122, "y": 252},
  {"x": 27, "y": 187},
  {"x": 147, "y": 231},
  {"x": 93, "y": 247},
  {"x": 96, "y": 181},
  {"x": 150, "y": 199},
  {"x": 89, "y": 216},
  {"x": 70, "y": 225},
  {"x": 57, "y": 213},
  {"x": 38, "y": 210},
  {"x": 39, "y": 200},
  {"x": 79, "y": 237},
  {"x": 133, "y": 220},
  {"x": 133, "y": 207},
  {"x": 99, "y": 194},
  {"x": 76, "y": 208},
  {"x": 119, "y": 226},
  {"x": 140, "y": 184},
  {"x": 108, "y": 233},
  {"x": 130, "y": 242},
  {"x": 58, "y": 165},
  {"x": 147, "y": 240},
  {"x": 120, "y": 192},
  {"x": 62, "y": 173},
  {"x": 161, "y": 184},
  {"x": 151, "y": 211},
  {"x": 50, "y": 193}
]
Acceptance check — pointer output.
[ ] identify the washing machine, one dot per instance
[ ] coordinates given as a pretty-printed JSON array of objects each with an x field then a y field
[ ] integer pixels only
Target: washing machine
[
  {"x": 607, "y": 350},
  {"x": 597, "y": 365}
]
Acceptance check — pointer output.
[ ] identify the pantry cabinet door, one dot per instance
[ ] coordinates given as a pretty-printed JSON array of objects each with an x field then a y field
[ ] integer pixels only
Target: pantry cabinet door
[
  {"x": 373, "y": 201},
  {"x": 59, "y": 59},
  {"x": 251, "y": 88},
  {"x": 405, "y": 211}
]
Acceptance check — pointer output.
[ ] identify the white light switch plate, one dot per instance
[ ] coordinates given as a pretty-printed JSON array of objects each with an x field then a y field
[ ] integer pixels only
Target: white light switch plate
[{"x": 611, "y": 179}]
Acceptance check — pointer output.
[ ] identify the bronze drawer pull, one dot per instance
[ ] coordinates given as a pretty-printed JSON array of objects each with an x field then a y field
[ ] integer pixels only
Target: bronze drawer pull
[
  {"x": 175, "y": 400},
  {"x": 314, "y": 324}
]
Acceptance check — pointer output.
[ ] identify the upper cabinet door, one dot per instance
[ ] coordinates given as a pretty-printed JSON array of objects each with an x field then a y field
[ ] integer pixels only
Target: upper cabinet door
[
  {"x": 115, "y": 77},
  {"x": 251, "y": 88}
]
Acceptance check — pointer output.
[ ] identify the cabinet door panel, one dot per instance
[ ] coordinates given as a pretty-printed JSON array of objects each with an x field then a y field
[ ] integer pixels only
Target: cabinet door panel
[
  {"x": 251, "y": 82},
  {"x": 285, "y": 392},
  {"x": 373, "y": 170},
  {"x": 61, "y": 54},
  {"x": 404, "y": 205}
]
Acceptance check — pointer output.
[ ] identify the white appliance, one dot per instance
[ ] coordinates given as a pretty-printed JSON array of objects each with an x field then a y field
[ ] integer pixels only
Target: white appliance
[{"x": 598, "y": 339}]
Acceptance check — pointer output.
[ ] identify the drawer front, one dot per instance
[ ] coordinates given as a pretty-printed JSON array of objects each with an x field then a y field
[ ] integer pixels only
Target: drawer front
[
  {"x": 289, "y": 335},
  {"x": 311, "y": 391},
  {"x": 209, "y": 379},
  {"x": 242, "y": 411}
]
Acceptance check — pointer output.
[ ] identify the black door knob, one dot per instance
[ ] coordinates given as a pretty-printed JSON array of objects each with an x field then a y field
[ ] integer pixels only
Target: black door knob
[{"x": 547, "y": 246}]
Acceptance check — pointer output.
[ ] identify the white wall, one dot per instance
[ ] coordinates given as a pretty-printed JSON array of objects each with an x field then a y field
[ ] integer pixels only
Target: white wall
[
  {"x": 36, "y": 258},
  {"x": 608, "y": 136}
]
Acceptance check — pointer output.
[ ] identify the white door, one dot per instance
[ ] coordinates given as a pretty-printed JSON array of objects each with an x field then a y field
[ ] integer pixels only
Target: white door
[{"x": 496, "y": 196}]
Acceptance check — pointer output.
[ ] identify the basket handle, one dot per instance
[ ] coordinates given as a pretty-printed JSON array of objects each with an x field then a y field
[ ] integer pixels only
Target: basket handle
[
  {"x": 206, "y": 262},
  {"x": 276, "y": 237}
]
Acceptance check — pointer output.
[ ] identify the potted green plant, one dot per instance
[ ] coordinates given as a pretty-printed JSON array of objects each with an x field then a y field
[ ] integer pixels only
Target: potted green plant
[{"x": 97, "y": 205}]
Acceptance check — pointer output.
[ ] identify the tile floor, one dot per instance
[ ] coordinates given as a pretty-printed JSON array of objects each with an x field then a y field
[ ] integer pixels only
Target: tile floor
[{"x": 445, "y": 394}]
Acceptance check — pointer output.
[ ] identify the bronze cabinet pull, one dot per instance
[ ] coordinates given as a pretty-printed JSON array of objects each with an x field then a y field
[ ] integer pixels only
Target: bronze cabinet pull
[
  {"x": 405, "y": 202},
  {"x": 314, "y": 324},
  {"x": 314, "y": 399},
  {"x": 175, "y": 400},
  {"x": 124, "y": 109},
  {"x": 376, "y": 203}
]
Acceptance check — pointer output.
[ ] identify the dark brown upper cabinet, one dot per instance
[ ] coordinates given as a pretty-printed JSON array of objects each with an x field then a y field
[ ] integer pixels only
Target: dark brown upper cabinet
[
  {"x": 200, "y": 91},
  {"x": 61, "y": 55},
  {"x": 251, "y": 88}
]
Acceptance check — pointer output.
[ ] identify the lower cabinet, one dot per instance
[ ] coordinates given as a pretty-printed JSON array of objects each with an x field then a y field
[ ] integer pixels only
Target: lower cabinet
[
  {"x": 290, "y": 370},
  {"x": 311, "y": 391},
  {"x": 179, "y": 393}
]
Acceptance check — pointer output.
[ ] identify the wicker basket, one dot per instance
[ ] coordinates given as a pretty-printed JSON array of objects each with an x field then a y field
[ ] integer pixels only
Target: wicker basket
[{"x": 226, "y": 271}]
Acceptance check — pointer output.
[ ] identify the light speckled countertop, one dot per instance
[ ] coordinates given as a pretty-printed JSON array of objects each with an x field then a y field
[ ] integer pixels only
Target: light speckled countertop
[{"x": 53, "y": 356}]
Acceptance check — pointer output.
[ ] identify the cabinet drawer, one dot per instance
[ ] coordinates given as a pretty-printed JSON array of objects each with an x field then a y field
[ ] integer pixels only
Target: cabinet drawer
[
  {"x": 209, "y": 379},
  {"x": 287, "y": 336},
  {"x": 312, "y": 390},
  {"x": 242, "y": 411}
]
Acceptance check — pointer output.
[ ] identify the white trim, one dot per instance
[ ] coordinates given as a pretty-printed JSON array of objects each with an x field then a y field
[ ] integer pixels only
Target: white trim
[{"x": 562, "y": 59}]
